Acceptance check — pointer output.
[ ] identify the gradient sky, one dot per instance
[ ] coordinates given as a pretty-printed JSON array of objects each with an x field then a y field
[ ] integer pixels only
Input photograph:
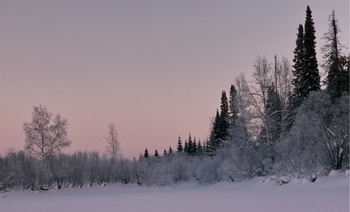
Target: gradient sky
[{"x": 154, "y": 68}]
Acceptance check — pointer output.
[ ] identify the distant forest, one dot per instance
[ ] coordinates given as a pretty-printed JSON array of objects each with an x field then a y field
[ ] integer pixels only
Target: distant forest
[{"x": 285, "y": 123}]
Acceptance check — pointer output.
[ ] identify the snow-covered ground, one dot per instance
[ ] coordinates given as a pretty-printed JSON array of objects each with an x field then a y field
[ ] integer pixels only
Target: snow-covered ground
[{"x": 326, "y": 194}]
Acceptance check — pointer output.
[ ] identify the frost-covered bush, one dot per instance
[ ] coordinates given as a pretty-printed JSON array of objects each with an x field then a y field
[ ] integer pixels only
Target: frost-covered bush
[{"x": 318, "y": 140}]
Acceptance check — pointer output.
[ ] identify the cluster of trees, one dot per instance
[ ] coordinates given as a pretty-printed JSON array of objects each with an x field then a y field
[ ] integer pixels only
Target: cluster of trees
[{"x": 287, "y": 122}]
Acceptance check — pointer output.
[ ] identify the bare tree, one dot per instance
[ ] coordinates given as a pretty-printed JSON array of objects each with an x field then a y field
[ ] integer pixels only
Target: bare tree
[
  {"x": 45, "y": 136},
  {"x": 263, "y": 79},
  {"x": 284, "y": 76},
  {"x": 112, "y": 141},
  {"x": 245, "y": 102}
]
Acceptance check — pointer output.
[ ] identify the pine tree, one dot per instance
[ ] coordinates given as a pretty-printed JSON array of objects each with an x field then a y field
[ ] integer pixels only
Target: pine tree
[
  {"x": 164, "y": 152},
  {"x": 156, "y": 154},
  {"x": 146, "y": 155},
  {"x": 337, "y": 79},
  {"x": 179, "y": 146},
  {"x": 311, "y": 76}
]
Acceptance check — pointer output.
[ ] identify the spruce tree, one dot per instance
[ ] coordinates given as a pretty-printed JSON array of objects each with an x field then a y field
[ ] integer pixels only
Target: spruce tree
[
  {"x": 194, "y": 147},
  {"x": 337, "y": 79},
  {"x": 179, "y": 147},
  {"x": 170, "y": 151},
  {"x": 220, "y": 126},
  {"x": 186, "y": 147},
  {"x": 214, "y": 139},
  {"x": 299, "y": 68},
  {"x": 156, "y": 154},
  {"x": 224, "y": 105},
  {"x": 146, "y": 155},
  {"x": 199, "y": 148},
  {"x": 223, "y": 123},
  {"x": 189, "y": 145},
  {"x": 273, "y": 113},
  {"x": 233, "y": 105},
  {"x": 311, "y": 76}
]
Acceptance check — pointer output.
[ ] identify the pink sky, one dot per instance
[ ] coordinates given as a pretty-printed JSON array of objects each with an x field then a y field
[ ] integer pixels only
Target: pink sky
[{"x": 155, "y": 69}]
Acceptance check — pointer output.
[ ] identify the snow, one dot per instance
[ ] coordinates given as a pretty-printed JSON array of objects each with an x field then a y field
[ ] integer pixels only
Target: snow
[{"x": 326, "y": 194}]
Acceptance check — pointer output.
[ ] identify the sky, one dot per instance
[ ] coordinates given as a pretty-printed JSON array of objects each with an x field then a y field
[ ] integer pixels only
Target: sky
[{"x": 154, "y": 68}]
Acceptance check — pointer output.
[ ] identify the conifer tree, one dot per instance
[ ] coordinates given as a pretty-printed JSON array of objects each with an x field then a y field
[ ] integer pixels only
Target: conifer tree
[
  {"x": 223, "y": 120},
  {"x": 170, "y": 151},
  {"x": 306, "y": 73},
  {"x": 194, "y": 147},
  {"x": 224, "y": 105},
  {"x": 199, "y": 148},
  {"x": 146, "y": 155},
  {"x": 214, "y": 135},
  {"x": 179, "y": 146},
  {"x": 311, "y": 76},
  {"x": 337, "y": 79},
  {"x": 273, "y": 113},
  {"x": 189, "y": 145},
  {"x": 233, "y": 105},
  {"x": 156, "y": 154},
  {"x": 186, "y": 147},
  {"x": 299, "y": 68}
]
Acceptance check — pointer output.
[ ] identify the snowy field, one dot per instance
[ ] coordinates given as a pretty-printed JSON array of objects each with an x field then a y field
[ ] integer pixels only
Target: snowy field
[{"x": 326, "y": 194}]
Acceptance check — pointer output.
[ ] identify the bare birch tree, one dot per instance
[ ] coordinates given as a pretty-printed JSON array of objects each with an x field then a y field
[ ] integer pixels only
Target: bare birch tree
[
  {"x": 112, "y": 141},
  {"x": 45, "y": 136}
]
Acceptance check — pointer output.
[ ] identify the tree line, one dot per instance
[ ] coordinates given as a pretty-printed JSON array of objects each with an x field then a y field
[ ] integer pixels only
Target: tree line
[{"x": 285, "y": 122}]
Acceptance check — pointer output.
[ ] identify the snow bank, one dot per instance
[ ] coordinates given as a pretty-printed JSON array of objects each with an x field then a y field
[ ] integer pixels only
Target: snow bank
[{"x": 326, "y": 194}]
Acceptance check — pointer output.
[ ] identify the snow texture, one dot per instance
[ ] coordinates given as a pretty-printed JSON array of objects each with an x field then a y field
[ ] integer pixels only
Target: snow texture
[{"x": 326, "y": 194}]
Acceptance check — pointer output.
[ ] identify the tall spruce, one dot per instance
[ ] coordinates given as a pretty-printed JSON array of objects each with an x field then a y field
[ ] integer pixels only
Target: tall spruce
[
  {"x": 220, "y": 129},
  {"x": 214, "y": 138},
  {"x": 224, "y": 119},
  {"x": 335, "y": 62},
  {"x": 311, "y": 76},
  {"x": 299, "y": 68}
]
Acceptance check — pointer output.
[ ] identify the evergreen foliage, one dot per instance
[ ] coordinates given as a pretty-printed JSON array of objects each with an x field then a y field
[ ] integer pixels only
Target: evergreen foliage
[
  {"x": 246, "y": 138},
  {"x": 146, "y": 155},
  {"x": 299, "y": 68},
  {"x": 233, "y": 105},
  {"x": 273, "y": 112},
  {"x": 179, "y": 147},
  {"x": 335, "y": 62},
  {"x": 311, "y": 76}
]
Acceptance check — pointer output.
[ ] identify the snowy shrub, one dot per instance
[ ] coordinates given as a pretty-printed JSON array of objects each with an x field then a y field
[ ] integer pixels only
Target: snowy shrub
[{"x": 318, "y": 140}]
